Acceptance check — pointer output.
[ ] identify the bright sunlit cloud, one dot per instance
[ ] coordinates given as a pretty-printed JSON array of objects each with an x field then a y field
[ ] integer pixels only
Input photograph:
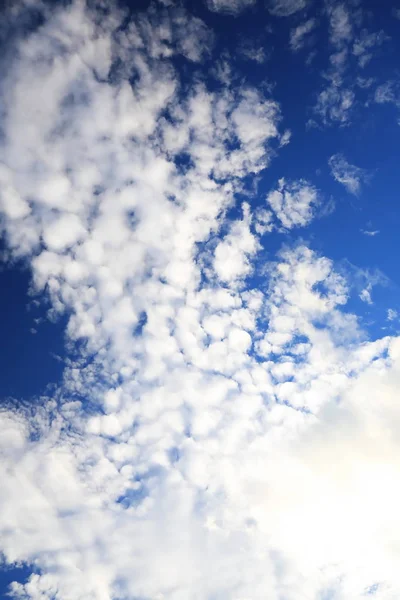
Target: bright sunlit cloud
[{"x": 226, "y": 426}]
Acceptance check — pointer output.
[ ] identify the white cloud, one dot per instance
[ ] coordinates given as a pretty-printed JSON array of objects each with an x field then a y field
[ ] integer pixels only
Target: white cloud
[
  {"x": 164, "y": 466},
  {"x": 334, "y": 105},
  {"x": 63, "y": 232},
  {"x": 253, "y": 52},
  {"x": 233, "y": 7},
  {"x": 365, "y": 295},
  {"x": 341, "y": 30},
  {"x": 386, "y": 93},
  {"x": 370, "y": 233},
  {"x": 299, "y": 35},
  {"x": 392, "y": 314},
  {"x": 285, "y": 138},
  {"x": 294, "y": 203},
  {"x": 285, "y": 8},
  {"x": 232, "y": 254},
  {"x": 364, "y": 45},
  {"x": 353, "y": 47},
  {"x": 348, "y": 175}
]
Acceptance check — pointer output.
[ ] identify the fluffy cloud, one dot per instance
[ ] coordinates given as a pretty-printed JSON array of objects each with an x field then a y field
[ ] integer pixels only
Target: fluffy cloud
[
  {"x": 202, "y": 390},
  {"x": 348, "y": 175},
  {"x": 365, "y": 295},
  {"x": 294, "y": 203},
  {"x": 341, "y": 30},
  {"x": 232, "y": 254}
]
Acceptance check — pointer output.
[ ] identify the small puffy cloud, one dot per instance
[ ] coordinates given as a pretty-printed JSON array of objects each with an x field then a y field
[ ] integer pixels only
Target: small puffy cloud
[
  {"x": 285, "y": 138},
  {"x": 232, "y": 254},
  {"x": 341, "y": 30},
  {"x": 299, "y": 35},
  {"x": 232, "y": 7},
  {"x": 365, "y": 43},
  {"x": 253, "y": 52},
  {"x": 365, "y": 295},
  {"x": 285, "y": 8},
  {"x": 294, "y": 203},
  {"x": 392, "y": 314},
  {"x": 334, "y": 104},
  {"x": 364, "y": 281},
  {"x": 370, "y": 232},
  {"x": 348, "y": 175},
  {"x": 353, "y": 47},
  {"x": 63, "y": 232},
  {"x": 387, "y": 93}
]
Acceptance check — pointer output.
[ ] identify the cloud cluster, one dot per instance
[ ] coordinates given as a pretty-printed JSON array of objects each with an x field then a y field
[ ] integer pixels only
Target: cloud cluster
[
  {"x": 353, "y": 48},
  {"x": 220, "y": 427},
  {"x": 294, "y": 203}
]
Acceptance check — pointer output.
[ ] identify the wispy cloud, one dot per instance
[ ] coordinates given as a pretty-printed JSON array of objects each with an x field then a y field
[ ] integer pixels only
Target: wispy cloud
[
  {"x": 285, "y": 8},
  {"x": 334, "y": 105},
  {"x": 370, "y": 232},
  {"x": 233, "y": 7},
  {"x": 300, "y": 35},
  {"x": 365, "y": 44},
  {"x": 353, "y": 46},
  {"x": 341, "y": 30},
  {"x": 250, "y": 50},
  {"x": 387, "y": 93},
  {"x": 347, "y": 174}
]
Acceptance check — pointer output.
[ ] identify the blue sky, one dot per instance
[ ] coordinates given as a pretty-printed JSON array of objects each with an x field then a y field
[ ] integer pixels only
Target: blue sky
[{"x": 200, "y": 300}]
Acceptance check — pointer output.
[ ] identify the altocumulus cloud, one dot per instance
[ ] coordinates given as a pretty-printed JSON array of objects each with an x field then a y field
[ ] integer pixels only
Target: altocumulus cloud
[{"x": 213, "y": 438}]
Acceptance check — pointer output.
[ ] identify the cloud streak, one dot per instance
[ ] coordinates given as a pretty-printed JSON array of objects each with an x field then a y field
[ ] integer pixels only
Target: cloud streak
[
  {"x": 286, "y": 8},
  {"x": 299, "y": 35},
  {"x": 232, "y": 7}
]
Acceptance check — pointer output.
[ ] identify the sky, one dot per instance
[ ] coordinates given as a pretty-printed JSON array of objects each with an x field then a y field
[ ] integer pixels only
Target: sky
[{"x": 200, "y": 300}]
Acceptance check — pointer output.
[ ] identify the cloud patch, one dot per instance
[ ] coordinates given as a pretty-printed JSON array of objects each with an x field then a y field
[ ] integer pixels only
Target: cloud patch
[
  {"x": 294, "y": 203},
  {"x": 350, "y": 176},
  {"x": 285, "y": 8},
  {"x": 230, "y": 7},
  {"x": 300, "y": 35}
]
